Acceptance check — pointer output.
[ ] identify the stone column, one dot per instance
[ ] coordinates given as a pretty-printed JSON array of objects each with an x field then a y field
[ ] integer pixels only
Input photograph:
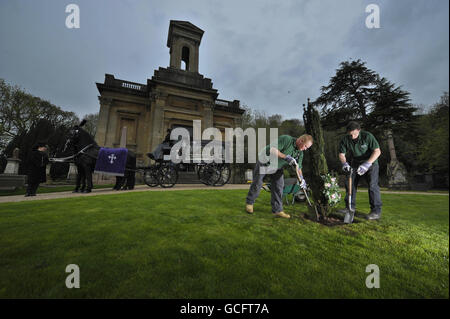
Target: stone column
[
  {"x": 147, "y": 138},
  {"x": 103, "y": 119},
  {"x": 123, "y": 137},
  {"x": 175, "y": 55},
  {"x": 396, "y": 171},
  {"x": 193, "y": 58},
  {"x": 159, "y": 102},
  {"x": 390, "y": 140},
  {"x": 208, "y": 119}
]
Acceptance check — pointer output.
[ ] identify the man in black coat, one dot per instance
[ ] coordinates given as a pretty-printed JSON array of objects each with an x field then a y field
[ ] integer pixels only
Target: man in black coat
[{"x": 37, "y": 163}]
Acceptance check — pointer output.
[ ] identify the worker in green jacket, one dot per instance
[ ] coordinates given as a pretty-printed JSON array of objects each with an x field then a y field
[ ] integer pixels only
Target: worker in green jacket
[
  {"x": 289, "y": 151},
  {"x": 358, "y": 152}
]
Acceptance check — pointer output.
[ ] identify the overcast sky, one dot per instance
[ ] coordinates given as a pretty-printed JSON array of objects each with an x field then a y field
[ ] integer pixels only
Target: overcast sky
[{"x": 269, "y": 54}]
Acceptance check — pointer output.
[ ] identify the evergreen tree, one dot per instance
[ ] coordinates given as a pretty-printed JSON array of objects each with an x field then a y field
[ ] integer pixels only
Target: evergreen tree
[
  {"x": 434, "y": 140},
  {"x": 318, "y": 163},
  {"x": 358, "y": 93},
  {"x": 348, "y": 96},
  {"x": 392, "y": 108}
]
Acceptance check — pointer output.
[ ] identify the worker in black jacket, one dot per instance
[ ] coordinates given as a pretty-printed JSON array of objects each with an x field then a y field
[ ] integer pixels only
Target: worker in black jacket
[{"x": 37, "y": 163}]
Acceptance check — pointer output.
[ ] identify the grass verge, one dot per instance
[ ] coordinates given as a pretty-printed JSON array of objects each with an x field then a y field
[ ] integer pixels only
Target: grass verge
[{"x": 201, "y": 244}]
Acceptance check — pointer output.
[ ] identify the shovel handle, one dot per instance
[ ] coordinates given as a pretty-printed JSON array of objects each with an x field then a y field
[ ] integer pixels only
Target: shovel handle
[
  {"x": 297, "y": 174},
  {"x": 350, "y": 184},
  {"x": 350, "y": 190},
  {"x": 300, "y": 182}
]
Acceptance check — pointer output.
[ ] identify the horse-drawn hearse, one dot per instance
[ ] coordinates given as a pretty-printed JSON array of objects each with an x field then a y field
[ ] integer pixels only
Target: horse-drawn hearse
[
  {"x": 121, "y": 162},
  {"x": 165, "y": 171}
]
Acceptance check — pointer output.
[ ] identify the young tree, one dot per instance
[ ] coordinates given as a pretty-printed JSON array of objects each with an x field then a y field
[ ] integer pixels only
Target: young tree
[{"x": 318, "y": 163}]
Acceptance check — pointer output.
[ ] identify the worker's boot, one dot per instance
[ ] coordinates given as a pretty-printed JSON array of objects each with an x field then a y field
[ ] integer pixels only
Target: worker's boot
[
  {"x": 282, "y": 215},
  {"x": 374, "y": 216},
  {"x": 249, "y": 208}
]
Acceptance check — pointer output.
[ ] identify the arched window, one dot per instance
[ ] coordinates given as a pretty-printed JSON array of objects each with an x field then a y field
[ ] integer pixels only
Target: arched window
[{"x": 185, "y": 58}]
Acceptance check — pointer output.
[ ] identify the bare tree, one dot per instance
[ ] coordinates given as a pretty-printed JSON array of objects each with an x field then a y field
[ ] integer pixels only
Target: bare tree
[
  {"x": 91, "y": 124},
  {"x": 19, "y": 111}
]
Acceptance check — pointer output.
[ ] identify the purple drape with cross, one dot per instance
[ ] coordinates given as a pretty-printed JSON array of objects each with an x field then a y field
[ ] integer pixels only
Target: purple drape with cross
[{"x": 111, "y": 161}]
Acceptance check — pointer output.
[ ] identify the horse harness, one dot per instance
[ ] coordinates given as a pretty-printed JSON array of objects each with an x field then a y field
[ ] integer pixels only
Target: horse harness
[{"x": 66, "y": 159}]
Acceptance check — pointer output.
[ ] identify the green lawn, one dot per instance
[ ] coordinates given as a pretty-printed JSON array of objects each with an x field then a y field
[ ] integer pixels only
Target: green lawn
[{"x": 201, "y": 244}]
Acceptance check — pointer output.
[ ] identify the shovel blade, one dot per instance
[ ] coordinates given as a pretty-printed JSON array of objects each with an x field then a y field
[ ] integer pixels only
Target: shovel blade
[{"x": 348, "y": 219}]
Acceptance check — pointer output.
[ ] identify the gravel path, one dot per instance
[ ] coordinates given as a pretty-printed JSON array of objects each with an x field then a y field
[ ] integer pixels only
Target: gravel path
[
  {"x": 145, "y": 188},
  {"x": 109, "y": 191}
]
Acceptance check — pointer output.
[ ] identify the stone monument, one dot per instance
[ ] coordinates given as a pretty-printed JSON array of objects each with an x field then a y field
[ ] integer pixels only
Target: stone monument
[
  {"x": 396, "y": 171},
  {"x": 10, "y": 180},
  {"x": 13, "y": 163}
]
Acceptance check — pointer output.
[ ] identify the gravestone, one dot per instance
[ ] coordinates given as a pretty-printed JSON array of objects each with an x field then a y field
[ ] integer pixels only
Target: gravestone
[
  {"x": 12, "y": 167},
  {"x": 10, "y": 180}
]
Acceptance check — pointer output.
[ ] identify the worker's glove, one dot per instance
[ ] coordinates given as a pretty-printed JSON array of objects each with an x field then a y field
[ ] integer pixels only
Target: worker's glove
[
  {"x": 291, "y": 161},
  {"x": 346, "y": 167},
  {"x": 363, "y": 168},
  {"x": 303, "y": 182}
]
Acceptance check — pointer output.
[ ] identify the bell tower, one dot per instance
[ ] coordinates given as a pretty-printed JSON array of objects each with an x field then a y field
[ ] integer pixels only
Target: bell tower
[{"x": 184, "y": 42}]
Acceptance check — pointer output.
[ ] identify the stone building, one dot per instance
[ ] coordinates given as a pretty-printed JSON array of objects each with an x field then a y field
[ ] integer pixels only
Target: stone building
[{"x": 173, "y": 97}]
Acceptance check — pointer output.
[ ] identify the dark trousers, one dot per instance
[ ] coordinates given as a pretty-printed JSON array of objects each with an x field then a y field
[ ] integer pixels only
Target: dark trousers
[
  {"x": 81, "y": 179},
  {"x": 276, "y": 187},
  {"x": 127, "y": 181},
  {"x": 371, "y": 177},
  {"x": 32, "y": 188},
  {"x": 80, "y": 182}
]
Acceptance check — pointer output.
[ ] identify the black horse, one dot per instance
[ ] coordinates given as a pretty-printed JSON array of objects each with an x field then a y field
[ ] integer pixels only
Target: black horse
[{"x": 86, "y": 150}]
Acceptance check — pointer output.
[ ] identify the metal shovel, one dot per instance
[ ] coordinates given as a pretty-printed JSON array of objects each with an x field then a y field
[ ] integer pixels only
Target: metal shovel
[
  {"x": 300, "y": 183},
  {"x": 305, "y": 191},
  {"x": 350, "y": 214}
]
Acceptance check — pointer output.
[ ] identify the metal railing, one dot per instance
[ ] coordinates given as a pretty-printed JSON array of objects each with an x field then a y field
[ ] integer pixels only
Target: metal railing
[{"x": 133, "y": 86}]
